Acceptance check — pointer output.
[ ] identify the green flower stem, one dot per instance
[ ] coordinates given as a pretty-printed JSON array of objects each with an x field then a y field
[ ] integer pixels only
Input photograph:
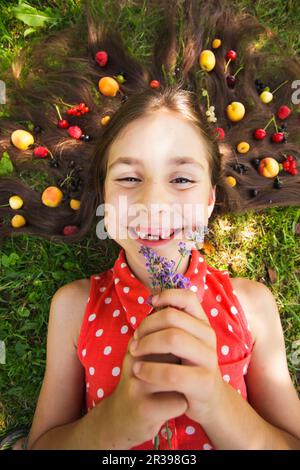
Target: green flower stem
[{"x": 283, "y": 83}]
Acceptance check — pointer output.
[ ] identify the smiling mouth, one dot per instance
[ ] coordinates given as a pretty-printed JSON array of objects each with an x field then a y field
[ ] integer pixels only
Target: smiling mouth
[{"x": 163, "y": 235}]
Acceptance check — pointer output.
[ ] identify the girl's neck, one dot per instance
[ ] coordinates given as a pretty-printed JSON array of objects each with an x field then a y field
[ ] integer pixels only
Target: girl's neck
[{"x": 138, "y": 268}]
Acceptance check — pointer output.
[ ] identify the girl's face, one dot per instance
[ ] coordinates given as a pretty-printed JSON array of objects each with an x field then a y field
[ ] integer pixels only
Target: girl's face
[{"x": 157, "y": 180}]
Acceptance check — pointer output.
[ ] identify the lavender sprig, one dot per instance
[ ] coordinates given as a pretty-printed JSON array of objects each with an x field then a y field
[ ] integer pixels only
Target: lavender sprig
[{"x": 164, "y": 275}]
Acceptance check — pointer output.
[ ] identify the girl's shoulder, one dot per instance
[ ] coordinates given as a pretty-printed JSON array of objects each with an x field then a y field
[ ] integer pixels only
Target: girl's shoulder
[
  {"x": 73, "y": 297},
  {"x": 255, "y": 298}
]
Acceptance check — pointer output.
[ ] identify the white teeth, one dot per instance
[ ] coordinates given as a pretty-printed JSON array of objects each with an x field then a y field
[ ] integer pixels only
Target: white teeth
[{"x": 146, "y": 236}]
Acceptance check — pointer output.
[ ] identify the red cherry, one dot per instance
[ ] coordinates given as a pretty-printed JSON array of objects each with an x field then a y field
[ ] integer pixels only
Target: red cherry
[
  {"x": 63, "y": 124},
  {"x": 260, "y": 134},
  {"x": 70, "y": 230},
  {"x": 231, "y": 55},
  {"x": 42, "y": 152},
  {"x": 290, "y": 158},
  {"x": 219, "y": 132},
  {"x": 101, "y": 58},
  {"x": 278, "y": 137},
  {"x": 75, "y": 132},
  {"x": 283, "y": 112},
  {"x": 294, "y": 171},
  {"x": 154, "y": 84}
]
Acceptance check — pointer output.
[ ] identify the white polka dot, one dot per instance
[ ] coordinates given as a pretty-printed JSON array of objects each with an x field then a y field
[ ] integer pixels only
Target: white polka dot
[
  {"x": 219, "y": 298},
  {"x": 102, "y": 289},
  {"x": 245, "y": 368},
  {"x": 91, "y": 370},
  {"x": 123, "y": 265},
  {"x": 116, "y": 371},
  {"x": 230, "y": 328},
  {"x": 107, "y": 350},
  {"x": 124, "y": 329},
  {"x": 100, "y": 393},
  {"x": 225, "y": 350},
  {"x": 92, "y": 317},
  {"x": 133, "y": 320},
  {"x": 126, "y": 289},
  {"x": 196, "y": 271},
  {"x": 99, "y": 332},
  {"x": 116, "y": 313},
  {"x": 207, "y": 447},
  {"x": 214, "y": 312},
  {"x": 238, "y": 390},
  {"x": 117, "y": 280},
  {"x": 205, "y": 287},
  {"x": 204, "y": 278},
  {"x": 107, "y": 300},
  {"x": 97, "y": 277},
  {"x": 201, "y": 259},
  {"x": 194, "y": 288},
  {"x": 190, "y": 430},
  {"x": 83, "y": 352},
  {"x": 226, "y": 377},
  {"x": 233, "y": 310},
  {"x": 234, "y": 292},
  {"x": 208, "y": 272},
  {"x": 141, "y": 300}
]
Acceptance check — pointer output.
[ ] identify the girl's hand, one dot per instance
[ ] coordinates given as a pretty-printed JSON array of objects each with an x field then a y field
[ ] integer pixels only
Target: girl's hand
[{"x": 182, "y": 329}]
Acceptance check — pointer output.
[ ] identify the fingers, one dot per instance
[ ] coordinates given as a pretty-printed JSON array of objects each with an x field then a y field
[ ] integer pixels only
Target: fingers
[
  {"x": 169, "y": 377},
  {"x": 182, "y": 299},
  {"x": 172, "y": 318},
  {"x": 167, "y": 405},
  {"x": 174, "y": 341}
]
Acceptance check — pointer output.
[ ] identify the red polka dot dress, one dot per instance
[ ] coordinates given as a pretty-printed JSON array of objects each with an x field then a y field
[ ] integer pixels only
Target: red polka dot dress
[{"x": 116, "y": 307}]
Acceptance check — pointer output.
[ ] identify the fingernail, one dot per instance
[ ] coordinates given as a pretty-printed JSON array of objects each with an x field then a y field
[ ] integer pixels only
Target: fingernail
[
  {"x": 133, "y": 345},
  {"x": 149, "y": 300}
]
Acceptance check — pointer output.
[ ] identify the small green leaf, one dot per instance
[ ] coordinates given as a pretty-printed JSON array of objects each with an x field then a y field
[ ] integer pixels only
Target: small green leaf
[
  {"x": 23, "y": 312},
  {"x": 29, "y": 31},
  {"x": 6, "y": 165}
]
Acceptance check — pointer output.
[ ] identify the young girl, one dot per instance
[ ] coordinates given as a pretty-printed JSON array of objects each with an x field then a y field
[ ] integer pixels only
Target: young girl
[{"x": 117, "y": 370}]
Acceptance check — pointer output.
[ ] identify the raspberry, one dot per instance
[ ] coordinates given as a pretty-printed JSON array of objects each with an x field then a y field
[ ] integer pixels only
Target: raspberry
[
  {"x": 101, "y": 58},
  {"x": 40, "y": 152},
  {"x": 293, "y": 164},
  {"x": 75, "y": 132},
  {"x": 283, "y": 112},
  {"x": 70, "y": 230},
  {"x": 290, "y": 158},
  {"x": 286, "y": 165},
  {"x": 293, "y": 171}
]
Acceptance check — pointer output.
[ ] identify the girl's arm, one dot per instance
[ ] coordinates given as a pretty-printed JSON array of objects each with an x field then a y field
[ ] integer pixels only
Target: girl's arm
[
  {"x": 58, "y": 421},
  {"x": 271, "y": 419}
]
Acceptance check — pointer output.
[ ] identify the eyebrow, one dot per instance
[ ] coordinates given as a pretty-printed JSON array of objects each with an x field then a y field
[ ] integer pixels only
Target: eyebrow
[{"x": 172, "y": 161}]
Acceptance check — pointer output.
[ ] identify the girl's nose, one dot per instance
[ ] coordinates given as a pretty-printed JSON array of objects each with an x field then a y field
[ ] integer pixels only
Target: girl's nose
[{"x": 154, "y": 193}]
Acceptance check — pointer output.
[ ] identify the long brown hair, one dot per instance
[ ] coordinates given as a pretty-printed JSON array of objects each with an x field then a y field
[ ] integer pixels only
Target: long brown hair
[{"x": 63, "y": 70}]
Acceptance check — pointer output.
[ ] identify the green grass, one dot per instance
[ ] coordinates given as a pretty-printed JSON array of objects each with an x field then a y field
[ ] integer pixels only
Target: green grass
[{"x": 32, "y": 269}]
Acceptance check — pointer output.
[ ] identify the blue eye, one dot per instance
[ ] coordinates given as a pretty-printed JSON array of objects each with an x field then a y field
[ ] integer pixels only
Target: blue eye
[{"x": 186, "y": 180}]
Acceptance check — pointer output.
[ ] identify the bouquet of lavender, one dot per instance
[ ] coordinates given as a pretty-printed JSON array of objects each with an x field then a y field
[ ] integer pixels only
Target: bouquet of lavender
[{"x": 164, "y": 276}]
